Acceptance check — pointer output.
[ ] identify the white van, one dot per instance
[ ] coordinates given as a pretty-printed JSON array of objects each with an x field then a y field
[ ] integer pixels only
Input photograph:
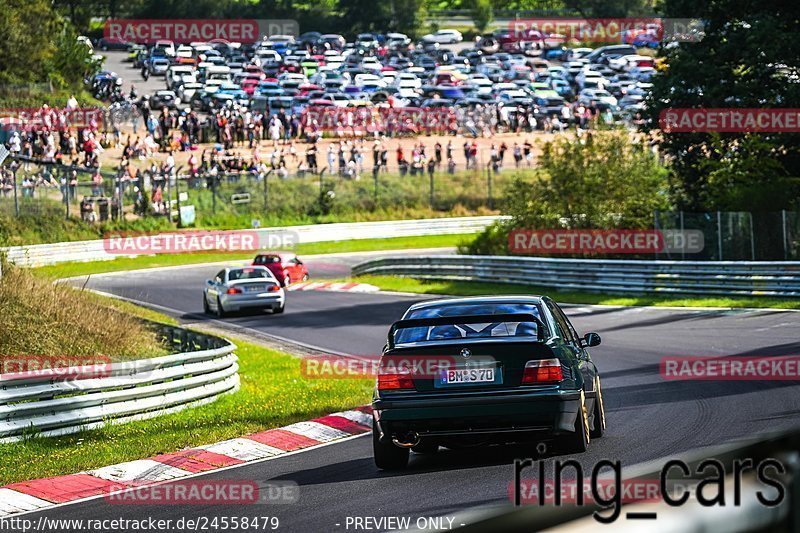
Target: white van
[
  {"x": 177, "y": 75},
  {"x": 218, "y": 72}
]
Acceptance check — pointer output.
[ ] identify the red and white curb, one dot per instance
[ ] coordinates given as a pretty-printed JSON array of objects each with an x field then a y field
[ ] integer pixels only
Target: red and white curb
[
  {"x": 37, "y": 494},
  {"x": 332, "y": 286}
]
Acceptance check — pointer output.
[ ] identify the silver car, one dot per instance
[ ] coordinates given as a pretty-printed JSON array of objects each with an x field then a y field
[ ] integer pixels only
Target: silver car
[{"x": 238, "y": 288}]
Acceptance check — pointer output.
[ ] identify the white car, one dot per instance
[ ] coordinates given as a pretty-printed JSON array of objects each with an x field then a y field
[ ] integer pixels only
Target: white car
[
  {"x": 167, "y": 46},
  {"x": 239, "y": 288},
  {"x": 483, "y": 85},
  {"x": 371, "y": 63},
  {"x": 389, "y": 77},
  {"x": 395, "y": 40},
  {"x": 586, "y": 96},
  {"x": 408, "y": 80},
  {"x": 587, "y": 75},
  {"x": 444, "y": 37},
  {"x": 212, "y": 86},
  {"x": 184, "y": 51},
  {"x": 188, "y": 90},
  {"x": 362, "y": 79},
  {"x": 407, "y": 93},
  {"x": 339, "y": 99},
  {"x": 627, "y": 62}
]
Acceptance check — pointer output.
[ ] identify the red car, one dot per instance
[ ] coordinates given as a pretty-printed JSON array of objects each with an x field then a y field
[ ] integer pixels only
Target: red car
[{"x": 286, "y": 267}]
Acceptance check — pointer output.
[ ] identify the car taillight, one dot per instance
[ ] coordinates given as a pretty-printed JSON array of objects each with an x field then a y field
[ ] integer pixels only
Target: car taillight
[
  {"x": 395, "y": 381},
  {"x": 274, "y": 288},
  {"x": 542, "y": 371},
  {"x": 234, "y": 290}
]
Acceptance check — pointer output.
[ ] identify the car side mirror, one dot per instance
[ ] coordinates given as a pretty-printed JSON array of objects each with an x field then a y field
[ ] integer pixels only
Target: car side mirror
[
  {"x": 591, "y": 339},
  {"x": 209, "y": 282}
]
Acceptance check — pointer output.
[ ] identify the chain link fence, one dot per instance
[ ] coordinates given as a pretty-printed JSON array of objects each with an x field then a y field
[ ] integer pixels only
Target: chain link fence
[
  {"x": 737, "y": 236},
  {"x": 221, "y": 198}
]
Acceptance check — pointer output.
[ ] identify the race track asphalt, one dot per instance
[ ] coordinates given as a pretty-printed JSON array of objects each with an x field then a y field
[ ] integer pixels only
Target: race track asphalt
[{"x": 648, "y": 417}]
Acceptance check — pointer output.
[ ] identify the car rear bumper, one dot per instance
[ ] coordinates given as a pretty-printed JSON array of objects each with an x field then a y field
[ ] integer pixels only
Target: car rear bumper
[
  {"x": 255, "y": 301},
  {"x": 550, "y": 412}
]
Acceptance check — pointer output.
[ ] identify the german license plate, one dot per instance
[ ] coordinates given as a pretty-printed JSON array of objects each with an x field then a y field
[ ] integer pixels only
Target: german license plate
[
  {"x": 254, "y": 288},
  {"x": 468, "y": 376}
]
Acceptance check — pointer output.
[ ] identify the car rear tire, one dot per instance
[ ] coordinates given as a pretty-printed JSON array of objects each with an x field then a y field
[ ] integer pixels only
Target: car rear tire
[
  {"x": 278, "y": 310},
  {"x": 578, "y": 440},
  {"x": 206, "y": 309},
  {"x": 598, "y": 413},
  {"x": 387, "y": 455},
  {"x": 220, "y": 310},
  {"x": 305, "y": 277}
]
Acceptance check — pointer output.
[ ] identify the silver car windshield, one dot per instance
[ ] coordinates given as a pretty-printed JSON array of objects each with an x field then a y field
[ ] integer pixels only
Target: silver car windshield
[{"x": 248, "y": 273}]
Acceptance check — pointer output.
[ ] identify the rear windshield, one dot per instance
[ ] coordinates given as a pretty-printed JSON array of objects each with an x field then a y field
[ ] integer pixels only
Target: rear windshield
[
  {"x": 267, "y": 259},
  {"x": 248, "y": 273},
  {"x": 488, "y": 329}
]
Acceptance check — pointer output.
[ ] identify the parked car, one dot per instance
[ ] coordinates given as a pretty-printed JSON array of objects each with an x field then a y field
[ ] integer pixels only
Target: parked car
[{"x": 444, "y": 37}]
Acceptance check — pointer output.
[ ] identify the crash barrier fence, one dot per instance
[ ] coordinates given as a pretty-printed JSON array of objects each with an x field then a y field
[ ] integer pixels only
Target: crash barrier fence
[
  {"x": 50, "y": 402},
  {"x": 748, "y": 278},
  {"x": 96, "y": 250}
]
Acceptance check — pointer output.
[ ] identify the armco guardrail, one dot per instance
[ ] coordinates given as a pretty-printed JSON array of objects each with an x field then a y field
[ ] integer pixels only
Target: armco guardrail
[
  {"x": 48, "y": 254},
  {"x": 49, "y": 403},
  {"x": 601, "y": 275}
]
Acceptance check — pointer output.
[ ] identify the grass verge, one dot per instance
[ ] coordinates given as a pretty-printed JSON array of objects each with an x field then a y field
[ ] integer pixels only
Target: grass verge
[
  {"x": 38, "y": 318},
  {"x": 133, "y": 263},
  {"x": 475, "y": 288},
  {"x": 273, "y": 393}
]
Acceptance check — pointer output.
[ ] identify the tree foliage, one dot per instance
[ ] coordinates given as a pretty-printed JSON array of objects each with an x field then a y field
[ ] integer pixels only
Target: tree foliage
[
  {"x": 749, "y": 58},
  {"x": 25, "y": 47},
  {"x": 599, "y": 181},
  {"x": 482, "y": 14}
]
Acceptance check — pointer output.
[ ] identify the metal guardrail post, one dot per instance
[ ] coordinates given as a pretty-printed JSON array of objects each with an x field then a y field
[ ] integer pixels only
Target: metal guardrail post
[
  {"x": 431, "y": 192},
  {"x": 16, "y": 196},
  {"x": 785, "y": 238}
]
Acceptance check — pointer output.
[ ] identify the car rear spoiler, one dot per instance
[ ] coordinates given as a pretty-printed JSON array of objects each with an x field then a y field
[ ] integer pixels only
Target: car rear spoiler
[{"x": 467, "y": 319}]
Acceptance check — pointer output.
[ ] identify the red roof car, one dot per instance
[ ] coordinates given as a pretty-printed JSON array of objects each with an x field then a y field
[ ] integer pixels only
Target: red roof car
[{"x": 286, "y": 267}]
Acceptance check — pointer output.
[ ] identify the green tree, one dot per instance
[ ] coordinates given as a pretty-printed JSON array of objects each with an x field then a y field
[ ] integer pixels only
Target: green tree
[
  {"x": 25, "y": 46},
  {"x": 611, "y": 8},
  {"x": 71, "y": 60},
  {"x": 602, "y": 180},
  {"x": 482, "y": 14},
  {"x": 748, "y": 58}
]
